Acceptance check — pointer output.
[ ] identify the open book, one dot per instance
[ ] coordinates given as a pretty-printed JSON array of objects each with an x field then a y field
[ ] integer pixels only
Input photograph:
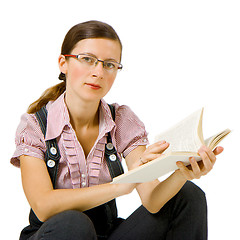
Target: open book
[{"x": 185, "y": 139}]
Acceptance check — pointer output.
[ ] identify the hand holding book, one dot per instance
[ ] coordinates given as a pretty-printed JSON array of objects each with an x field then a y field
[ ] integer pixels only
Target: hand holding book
[
  {"x": 192, "y": 171},
  {"x": 197, "y": 169},
  {"x": 184, "y": 146}
]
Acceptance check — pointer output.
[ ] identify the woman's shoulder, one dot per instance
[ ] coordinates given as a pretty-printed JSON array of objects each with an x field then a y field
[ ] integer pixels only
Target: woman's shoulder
[
  {"x": 29, "y": 139},
  {"x": 28, "y": 121},
  {"x": 124, "y": 113},
  {"x": 130, "y": 130},
  {"x": 29, "y": 129}
]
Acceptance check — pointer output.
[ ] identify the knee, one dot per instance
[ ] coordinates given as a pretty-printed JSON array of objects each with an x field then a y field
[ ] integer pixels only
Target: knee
[
  {"x": 73, "y": 224},
  {"x": 193, "y": 195},
  {"x": 193, "y": 191}
]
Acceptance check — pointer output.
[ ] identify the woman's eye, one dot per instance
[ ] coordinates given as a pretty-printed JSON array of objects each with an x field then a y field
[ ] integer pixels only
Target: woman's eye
[
  {"x": 88, "y": 59},
  {"x": 109, "y": 65}
]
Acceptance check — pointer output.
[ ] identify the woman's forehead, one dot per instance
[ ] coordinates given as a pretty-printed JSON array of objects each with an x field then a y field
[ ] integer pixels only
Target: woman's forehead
[{"x": 103, "y": 47}]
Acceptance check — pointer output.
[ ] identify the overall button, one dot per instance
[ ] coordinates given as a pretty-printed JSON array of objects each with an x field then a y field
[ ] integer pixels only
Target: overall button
[
  {"x": 53, "y": 150},
  {"x": 50, "y": 163},
  {"x": 109, "y": 146},
  {"x": 113, "y": 157}
]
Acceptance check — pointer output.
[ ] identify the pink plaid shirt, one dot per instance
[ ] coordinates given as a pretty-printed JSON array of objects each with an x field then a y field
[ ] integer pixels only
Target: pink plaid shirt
[{"x": 75, "y": 170}]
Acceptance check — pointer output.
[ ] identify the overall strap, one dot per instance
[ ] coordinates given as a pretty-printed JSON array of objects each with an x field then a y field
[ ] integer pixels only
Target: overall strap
[
  {"x": 52, "y": 154},
  {"x": 112, "y": 159}
]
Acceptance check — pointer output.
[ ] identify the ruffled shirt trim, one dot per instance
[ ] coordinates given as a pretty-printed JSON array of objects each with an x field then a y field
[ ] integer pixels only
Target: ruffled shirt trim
[{"x": 82, "y": 173}]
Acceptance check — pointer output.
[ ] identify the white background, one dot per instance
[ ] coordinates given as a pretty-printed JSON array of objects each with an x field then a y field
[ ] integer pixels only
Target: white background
[{"x": 178, "y": 56}]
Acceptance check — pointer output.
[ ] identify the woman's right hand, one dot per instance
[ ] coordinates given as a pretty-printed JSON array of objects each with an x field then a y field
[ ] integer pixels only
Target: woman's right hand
[{"x": 153, "y": 151}]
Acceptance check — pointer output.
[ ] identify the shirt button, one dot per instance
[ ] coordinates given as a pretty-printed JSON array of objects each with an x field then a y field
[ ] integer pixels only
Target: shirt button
[
  {"x": 26, "y": 150},
  {"x": 83, "y": 175},
  {"x": 84, "y": 184}
]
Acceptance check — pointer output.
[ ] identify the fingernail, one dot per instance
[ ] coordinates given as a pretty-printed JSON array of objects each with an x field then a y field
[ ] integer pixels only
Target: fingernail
[
  {"x": 191, "y": 159},
  {"x": 200, "y": 150}
]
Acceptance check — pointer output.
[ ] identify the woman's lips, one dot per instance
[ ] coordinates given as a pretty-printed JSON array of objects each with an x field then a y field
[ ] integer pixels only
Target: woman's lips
[{"x": 93, "y": 86}]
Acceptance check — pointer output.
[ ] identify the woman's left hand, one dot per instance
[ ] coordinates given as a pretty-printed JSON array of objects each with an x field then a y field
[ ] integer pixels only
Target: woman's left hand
[{"x": 198, "y": 169}]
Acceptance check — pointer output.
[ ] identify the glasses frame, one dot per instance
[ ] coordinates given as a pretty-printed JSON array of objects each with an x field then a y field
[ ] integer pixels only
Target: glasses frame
[{"x": 120, "y": 66}]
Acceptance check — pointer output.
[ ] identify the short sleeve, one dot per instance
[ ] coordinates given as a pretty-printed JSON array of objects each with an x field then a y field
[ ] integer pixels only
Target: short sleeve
[
  {"x": 29, "y": 139},
  {"x": 130, "y": 130}
]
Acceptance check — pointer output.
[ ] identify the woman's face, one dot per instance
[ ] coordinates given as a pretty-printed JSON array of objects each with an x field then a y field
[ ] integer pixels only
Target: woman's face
[{"x": 90, "y": 83}]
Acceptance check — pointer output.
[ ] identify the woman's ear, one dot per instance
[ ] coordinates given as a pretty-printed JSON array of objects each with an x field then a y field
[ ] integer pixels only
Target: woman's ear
[{"x": 62, "y": 63}]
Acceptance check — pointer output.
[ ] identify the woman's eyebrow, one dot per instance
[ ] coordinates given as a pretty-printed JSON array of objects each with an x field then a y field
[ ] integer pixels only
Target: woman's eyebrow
[{"x": 88, "y": 53}]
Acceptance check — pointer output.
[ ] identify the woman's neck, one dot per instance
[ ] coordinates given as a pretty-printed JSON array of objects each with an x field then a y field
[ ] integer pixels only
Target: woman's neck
[{"x": 82, "y": 114}]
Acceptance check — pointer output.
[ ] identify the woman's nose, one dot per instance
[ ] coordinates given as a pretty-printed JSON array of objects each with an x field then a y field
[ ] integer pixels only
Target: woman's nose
[{"x": 98, "y": 70}]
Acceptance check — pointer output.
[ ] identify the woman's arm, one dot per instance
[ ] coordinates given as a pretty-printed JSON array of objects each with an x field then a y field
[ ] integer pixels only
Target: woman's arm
[
  {"x": 155, "y": 194},
  {"x": 46, "y": 201}
]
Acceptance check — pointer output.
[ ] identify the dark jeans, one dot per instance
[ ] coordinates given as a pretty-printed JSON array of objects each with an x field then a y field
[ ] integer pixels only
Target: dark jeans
[{"x": 184, "y": 217}]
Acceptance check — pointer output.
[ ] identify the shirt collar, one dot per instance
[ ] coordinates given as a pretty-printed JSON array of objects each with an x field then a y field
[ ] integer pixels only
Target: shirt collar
[
  {"x": 106, "y": 123},
  {"x": 58, "y": 118}
]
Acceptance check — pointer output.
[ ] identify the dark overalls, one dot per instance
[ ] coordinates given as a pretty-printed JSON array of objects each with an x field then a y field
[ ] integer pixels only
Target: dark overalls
[{"x": 184, "y": 217}]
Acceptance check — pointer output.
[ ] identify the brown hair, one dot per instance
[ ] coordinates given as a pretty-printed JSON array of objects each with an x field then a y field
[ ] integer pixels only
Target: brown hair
[{"x": 85, "y": 30}]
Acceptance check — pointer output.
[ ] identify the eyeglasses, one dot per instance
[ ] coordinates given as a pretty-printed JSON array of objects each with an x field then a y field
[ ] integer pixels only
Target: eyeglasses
[{"x": 88, "y": 60}]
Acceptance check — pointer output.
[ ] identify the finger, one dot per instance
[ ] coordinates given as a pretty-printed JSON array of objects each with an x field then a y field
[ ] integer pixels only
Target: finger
[
  {"x": 210, "y": 154},
  {"x": 195, "y": 168},
  {"x": 207, "y": 162},
  {"x": 149, "y": 157},
  {"x": 218, "y": 150},
  {"x": 156, "y": 144},
  {"x": 185, "y": 171},
  {"x": 158, "y": 147}
]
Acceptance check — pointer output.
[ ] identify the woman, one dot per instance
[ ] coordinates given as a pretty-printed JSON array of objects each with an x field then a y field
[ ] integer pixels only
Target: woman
[{"x": 80, "y": 120}]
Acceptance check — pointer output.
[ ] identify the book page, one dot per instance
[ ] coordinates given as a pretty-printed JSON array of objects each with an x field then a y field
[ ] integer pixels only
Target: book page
[
  {"x": 213, "y": 141},
  {"x": 186, "y": 136}
]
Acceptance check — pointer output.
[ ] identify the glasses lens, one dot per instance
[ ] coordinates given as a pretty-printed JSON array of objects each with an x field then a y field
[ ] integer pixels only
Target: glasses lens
[
  {"x": 86, "y": 59},
  {"x": 89, "y": 60},
  {"x": 112, "y": 66}
]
